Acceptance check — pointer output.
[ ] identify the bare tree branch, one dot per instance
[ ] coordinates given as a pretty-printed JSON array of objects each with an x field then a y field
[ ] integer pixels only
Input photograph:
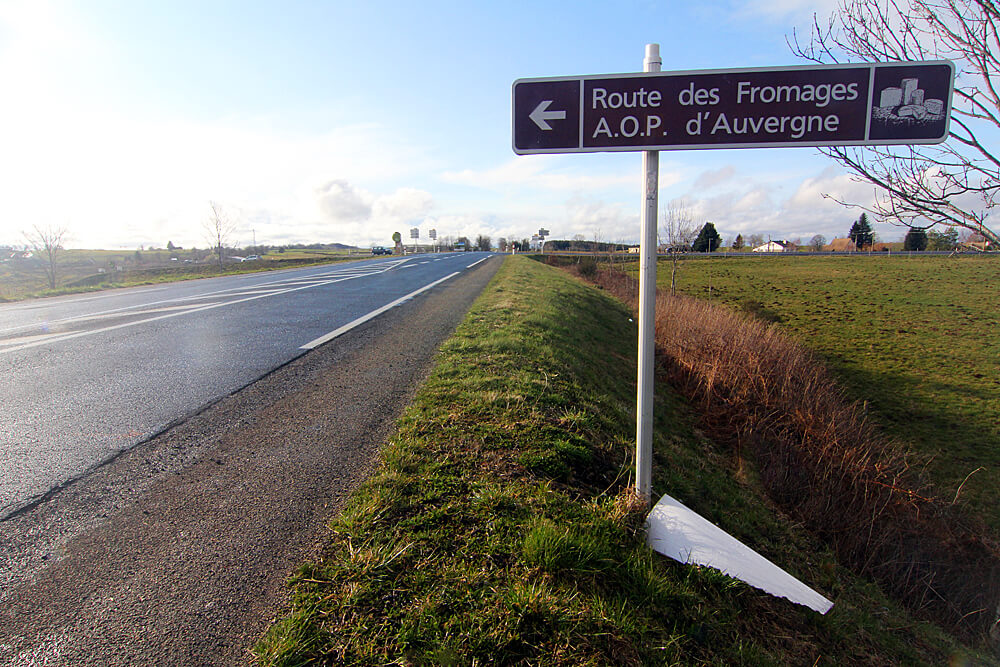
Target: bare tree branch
[
  {"x": 219, "y": 227},
  {"x": 47, "y": 243},
  {"x": 956, "y": 183},
  {"x": 679, "y": 230}
]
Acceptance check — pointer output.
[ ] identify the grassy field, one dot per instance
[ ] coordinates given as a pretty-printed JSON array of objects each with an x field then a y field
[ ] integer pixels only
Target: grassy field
[
  {"x": 499, "y": 528},
  {"x": 918, "y": 338},
  {"x": 316, "y": 253}
]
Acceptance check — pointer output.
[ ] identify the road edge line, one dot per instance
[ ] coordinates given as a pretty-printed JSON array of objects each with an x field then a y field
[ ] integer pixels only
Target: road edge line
[{"x": 313, "y": 344}]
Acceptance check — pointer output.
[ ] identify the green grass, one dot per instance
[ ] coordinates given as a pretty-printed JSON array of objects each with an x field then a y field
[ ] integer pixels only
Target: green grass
[
  {"x": 917, "y": 338},
  {"x": 314, "y": 253},
  {"x": 499, "y": 528}
]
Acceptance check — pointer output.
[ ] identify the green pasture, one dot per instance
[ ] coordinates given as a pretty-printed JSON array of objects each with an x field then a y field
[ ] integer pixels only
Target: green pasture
[
  {"x": 316, "y": 253},
  {"x": 916, "y": 338}
]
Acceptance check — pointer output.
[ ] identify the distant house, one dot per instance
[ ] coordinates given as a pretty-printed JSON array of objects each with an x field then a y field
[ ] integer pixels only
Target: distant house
[
  {"x": 840, "y": 245},
  {"x": 976, "y": 242},
  {"x": 775, "y": 246}
]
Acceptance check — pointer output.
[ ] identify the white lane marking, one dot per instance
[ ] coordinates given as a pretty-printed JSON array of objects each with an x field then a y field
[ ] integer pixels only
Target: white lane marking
[
  {"x": 293, "y": 282},
  {"x": 137, "y": 313},
  {"x": 375, "y": 313},
  {"x": 344, "y": 271},
  {"x": 22, "y": 339},
  {"x": 73, "y": 298},
  {"x": 189, "y": 311},
  {"x": 474, "y": 263}
]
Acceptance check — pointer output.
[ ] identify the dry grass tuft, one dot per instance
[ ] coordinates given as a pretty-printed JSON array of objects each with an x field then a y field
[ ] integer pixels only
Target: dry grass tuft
[{"x": 823, "y": 461}]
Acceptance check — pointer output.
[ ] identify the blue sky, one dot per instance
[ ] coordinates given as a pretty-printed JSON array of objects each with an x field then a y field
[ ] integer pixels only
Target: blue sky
[{"x": 337, "y": 121}]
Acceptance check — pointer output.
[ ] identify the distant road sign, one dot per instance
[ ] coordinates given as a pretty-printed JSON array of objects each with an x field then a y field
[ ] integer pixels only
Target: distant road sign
[
  {"x": 827, "y": 105},
  {"x": 414, "y": 233}
]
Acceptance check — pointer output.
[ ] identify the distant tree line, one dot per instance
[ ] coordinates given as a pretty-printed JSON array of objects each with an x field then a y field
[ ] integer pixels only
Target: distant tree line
[{"x": 559, "y": 245}]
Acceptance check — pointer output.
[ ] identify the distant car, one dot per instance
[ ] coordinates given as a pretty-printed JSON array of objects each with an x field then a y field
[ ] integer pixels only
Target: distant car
[
  {"x": 252, "y": 258},
  {"x": 379, "y": 250}
]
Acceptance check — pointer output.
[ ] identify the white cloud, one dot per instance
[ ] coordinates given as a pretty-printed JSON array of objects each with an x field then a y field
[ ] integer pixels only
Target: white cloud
[
  {"x": 404, "y": 204},
  {"x": 756, "y": 203},
  {"x": 598, "y": 220},
  {"x": 455, "y": 226},
  {"x": 714, "y": 177},
  {"x": 121, "y": 182},
  {"x": 72, "y": 157},
  {"x": 758, "y": 207},
  {"x": 544, "y": 172},
  {"x": 831, "y": 182},
  {"x": 353, "y": 215},
  {"x": 340, "y": 202}
]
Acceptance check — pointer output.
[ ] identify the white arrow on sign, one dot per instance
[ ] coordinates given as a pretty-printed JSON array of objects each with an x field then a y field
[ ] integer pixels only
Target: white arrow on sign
[{"x": 542, "y": 116}]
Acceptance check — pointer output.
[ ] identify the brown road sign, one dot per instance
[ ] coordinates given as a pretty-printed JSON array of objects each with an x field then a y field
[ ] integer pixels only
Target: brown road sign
[{"x": 846, "y": 105}]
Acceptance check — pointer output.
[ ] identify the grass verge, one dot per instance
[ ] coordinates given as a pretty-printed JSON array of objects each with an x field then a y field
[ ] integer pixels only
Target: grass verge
[{"x": 499, "y": 527}]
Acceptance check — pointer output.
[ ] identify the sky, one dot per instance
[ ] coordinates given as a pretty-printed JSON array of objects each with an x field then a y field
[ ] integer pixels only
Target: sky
[{"x": 348, "y": 121}]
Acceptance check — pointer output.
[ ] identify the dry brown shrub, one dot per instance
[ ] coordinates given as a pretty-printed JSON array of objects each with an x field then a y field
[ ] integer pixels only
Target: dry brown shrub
[{"x": 823, "y": 461}]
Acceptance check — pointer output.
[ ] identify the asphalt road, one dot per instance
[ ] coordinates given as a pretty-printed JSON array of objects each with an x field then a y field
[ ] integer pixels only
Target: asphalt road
[
  {"x": 84, "y": 378},
  {"x": 176, "y": 551}
]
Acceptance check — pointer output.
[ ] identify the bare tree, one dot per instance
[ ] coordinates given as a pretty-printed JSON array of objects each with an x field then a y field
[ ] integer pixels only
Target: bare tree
[
  {"x": 598, "y": 240},
  {"x": 219, "y": 227},
  {"x": 46, "y": 242},
  {"x": 954, "y": 183},
  {"x": 817, "y": 242},
  {"x": 679, "y": 230}
]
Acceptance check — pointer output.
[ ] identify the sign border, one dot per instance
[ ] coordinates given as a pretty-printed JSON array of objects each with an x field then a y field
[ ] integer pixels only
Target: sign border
[{"x": 740, "y": 70}]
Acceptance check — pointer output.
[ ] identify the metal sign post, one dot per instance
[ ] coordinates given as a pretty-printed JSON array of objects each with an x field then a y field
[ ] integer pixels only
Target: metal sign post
[{"x": 647, "y": 307}]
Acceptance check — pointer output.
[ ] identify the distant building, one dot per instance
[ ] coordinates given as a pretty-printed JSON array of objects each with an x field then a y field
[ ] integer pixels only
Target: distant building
[
  {"x": 976, "y": 242},
  {"x": 840, "y": 245},
  {"x": 775, "y": 246}
]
